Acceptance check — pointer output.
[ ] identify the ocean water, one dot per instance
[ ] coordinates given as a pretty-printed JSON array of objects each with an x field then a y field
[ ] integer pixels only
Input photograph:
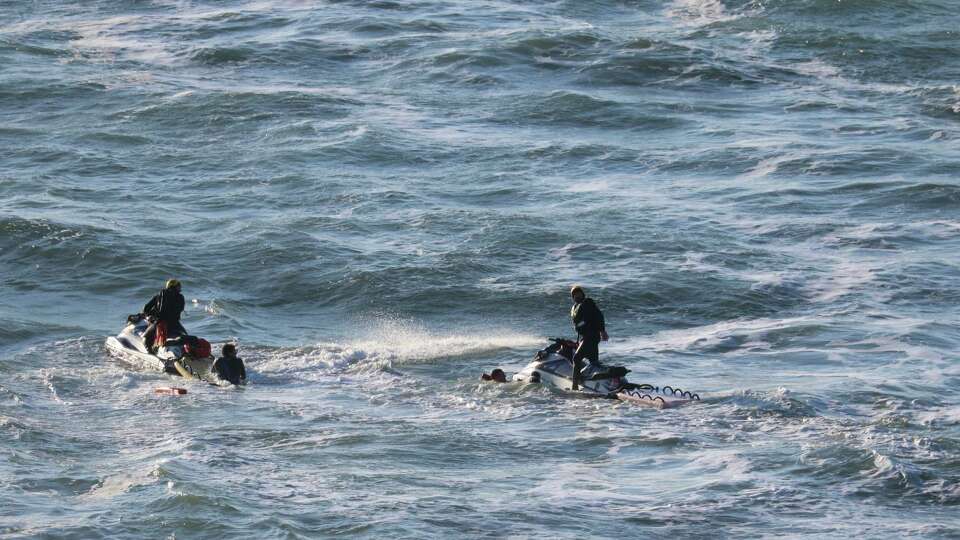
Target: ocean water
[{"x": 379, "y": 200}]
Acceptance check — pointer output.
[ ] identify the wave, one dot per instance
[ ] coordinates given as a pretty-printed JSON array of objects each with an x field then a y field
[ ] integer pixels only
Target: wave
[
  {"x": 931, "y": 196},
  {"x": 213, "y": 56},
  {"x": 881, "y": 9},
  {"x": 47, "y": 253},
  {"x": 882, "y": 469},
  {"x": 382, "y": 344},
  {"x": 197, "y": 109},
  {"x": 726, "y": 336},
  {"x": 931, "y": 283},
  {"x": 585, "y": 110},
  {"x": 21, "y": 94},
  {"x": 17, "y": 334},
  {"x": 27, "y": 44}
]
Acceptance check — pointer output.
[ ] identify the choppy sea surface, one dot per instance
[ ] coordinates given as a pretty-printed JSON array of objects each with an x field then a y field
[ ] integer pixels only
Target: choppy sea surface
[{"x": 379, "y": 200}]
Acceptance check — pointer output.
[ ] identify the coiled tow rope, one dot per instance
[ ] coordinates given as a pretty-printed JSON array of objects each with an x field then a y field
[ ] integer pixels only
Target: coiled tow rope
[{"x": 639, "y": 391}]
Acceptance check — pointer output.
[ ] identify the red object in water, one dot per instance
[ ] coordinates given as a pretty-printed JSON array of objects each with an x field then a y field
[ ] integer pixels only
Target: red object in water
[{"x": 170, "y": 391}]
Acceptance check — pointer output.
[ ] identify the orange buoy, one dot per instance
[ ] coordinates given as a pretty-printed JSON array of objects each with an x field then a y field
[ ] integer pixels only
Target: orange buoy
[{"x": 170, "y": 391}]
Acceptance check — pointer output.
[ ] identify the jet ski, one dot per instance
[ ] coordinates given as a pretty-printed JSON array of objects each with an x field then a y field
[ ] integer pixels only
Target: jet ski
[
  {"x": 177, "y": 356},
  {"x": 553, "y": 365}
]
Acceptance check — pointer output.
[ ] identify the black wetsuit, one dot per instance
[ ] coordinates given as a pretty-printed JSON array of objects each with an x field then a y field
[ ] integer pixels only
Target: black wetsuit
[
  {"x": 588, "y": 320},
  {"x": 166, "y": 306},
  {"x": 230, "y": 368}
]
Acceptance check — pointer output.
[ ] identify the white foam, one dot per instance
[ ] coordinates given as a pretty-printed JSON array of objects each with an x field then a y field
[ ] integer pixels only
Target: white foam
[
  {"x": 118, "y": 484},
  {"x": 105, "y": 40},
  {"x": 695, "y": 261},
  {"x": 707, "y": 336},
  {"x": 878, "y": 231},
  {"x": 765, "y": 167},
  {"x": 949, "y": 415},
  {"x": 384, "y": 344},
  {"x": 700, "y": 12},
  {"x": 406, "y": 341},
  {"x": 210, "y": 308},
  {"x": 895, "y": 345},
  {"x": 938, "y": 228},
  {"x": 309, "y": 361},
  {"x": 589, "y": 187},
  {"x": 816, "y": 68},
  {"x": 46, "y": 376},
  {"x": 846, "y": 277}
]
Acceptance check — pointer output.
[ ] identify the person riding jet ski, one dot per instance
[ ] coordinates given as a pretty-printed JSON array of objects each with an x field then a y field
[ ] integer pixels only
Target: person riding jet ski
[
  {"x": 591, "y": 329},
  {"x": 163, "y": 311}
]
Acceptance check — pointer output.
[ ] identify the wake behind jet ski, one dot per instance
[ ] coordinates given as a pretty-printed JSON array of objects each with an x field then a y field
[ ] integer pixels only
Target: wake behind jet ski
[
  {"x": 553, "y": 365},
  {"x": 184, "y": 355}
]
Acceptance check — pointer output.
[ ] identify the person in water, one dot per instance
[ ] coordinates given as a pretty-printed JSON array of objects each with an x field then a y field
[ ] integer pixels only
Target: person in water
[
  {"x": 165, "y": 307},
  {"x": 497, "y": 375},
  {"x": 591, "y": 329},
  {"x": 229, "y": 366}
]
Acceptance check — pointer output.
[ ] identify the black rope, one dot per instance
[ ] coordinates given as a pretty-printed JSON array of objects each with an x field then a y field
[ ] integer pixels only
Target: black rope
[{"x": 634, "y": 390}]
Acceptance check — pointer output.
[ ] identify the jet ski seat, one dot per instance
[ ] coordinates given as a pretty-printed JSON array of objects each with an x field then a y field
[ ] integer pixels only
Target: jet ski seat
[{"x": 609, "y": 373}]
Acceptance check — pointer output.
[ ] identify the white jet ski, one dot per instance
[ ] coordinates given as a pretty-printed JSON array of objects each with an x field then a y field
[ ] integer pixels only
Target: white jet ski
[
  {"x": 172, "y": 357},
  {"x": 553, "y": 365}
]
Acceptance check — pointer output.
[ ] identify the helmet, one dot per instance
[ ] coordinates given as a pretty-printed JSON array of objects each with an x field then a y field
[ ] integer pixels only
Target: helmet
[{"x": 171, "y": 283}]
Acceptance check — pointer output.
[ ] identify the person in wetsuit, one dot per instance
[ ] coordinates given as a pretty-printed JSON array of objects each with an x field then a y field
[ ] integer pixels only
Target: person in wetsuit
[
  {"x": 591, "y": 329},
  {"x": 229, "y": 366},
  {"x": 166, "y": 306},
  {"x": 497, "y": 375}
]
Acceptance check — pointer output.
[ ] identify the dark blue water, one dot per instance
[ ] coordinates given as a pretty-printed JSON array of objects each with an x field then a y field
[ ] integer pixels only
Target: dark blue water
[{"x": 378, "y": 201}]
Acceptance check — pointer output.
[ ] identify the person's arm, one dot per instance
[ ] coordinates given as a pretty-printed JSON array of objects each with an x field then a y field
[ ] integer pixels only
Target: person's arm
[
  {"x": 150, "y": 306},
  {"x": 601, "y": 323},
  {"x": 603, "y": 327},
  {"x": 243, "y": 370}
]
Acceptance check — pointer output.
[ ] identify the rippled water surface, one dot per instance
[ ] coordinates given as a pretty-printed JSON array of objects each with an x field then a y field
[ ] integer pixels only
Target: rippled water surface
[{"x": 378, "y": 201}]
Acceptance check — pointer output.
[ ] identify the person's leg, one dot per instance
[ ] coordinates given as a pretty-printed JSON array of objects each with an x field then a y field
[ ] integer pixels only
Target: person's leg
[
  {"x": 577, "y": 366},
  {"x": 149, "y": 335},
  {"x": 588, "y": 350},
  {"x": 591, "y": 351}
]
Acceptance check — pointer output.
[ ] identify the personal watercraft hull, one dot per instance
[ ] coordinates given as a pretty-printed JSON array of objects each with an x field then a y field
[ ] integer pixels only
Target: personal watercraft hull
[
  {"x": 553, "y": 366},
  {"x": 128, "y": 346}
]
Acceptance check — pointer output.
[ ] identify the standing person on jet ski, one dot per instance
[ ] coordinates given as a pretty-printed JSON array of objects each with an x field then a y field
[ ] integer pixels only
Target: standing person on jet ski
[
  {"x": 166, "y": 307},
  {"x": 591, "y": 329}
]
